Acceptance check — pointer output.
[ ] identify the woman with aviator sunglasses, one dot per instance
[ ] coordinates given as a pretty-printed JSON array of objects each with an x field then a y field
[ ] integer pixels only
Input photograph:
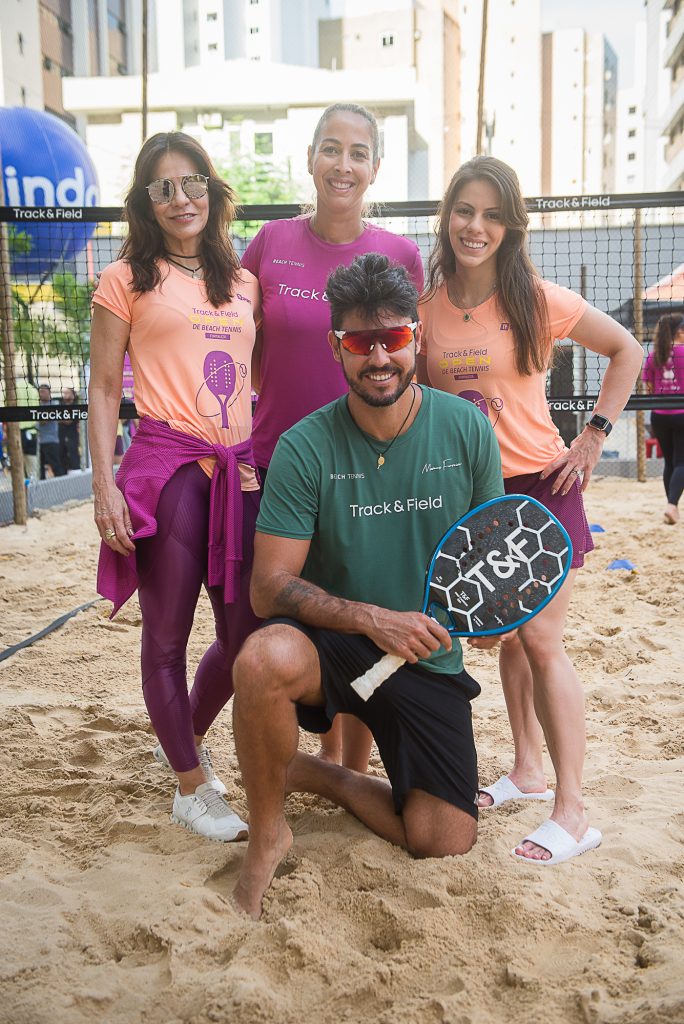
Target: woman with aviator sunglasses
[
  {"x": 294, "y": 370},
  {"x": 182, "y": 510}
]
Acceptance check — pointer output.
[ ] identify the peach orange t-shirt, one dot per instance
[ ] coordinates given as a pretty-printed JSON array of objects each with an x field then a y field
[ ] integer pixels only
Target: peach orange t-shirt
[
  {"x": 476, "y": 360},
  {"x": 191, "y": 362}
]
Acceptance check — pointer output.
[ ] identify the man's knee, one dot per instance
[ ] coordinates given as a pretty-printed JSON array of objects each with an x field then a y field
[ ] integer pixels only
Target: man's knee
[
  {"x": 434, "y": 828},
  {"x": 273, "y": 660}
]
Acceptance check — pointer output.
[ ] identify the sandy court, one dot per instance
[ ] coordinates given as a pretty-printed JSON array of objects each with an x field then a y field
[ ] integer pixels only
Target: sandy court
[{"x": 111, "y": 913}]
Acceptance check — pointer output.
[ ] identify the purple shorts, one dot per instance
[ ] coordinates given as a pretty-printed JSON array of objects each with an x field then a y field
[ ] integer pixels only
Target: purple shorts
[{"x": 567, "y": 508}]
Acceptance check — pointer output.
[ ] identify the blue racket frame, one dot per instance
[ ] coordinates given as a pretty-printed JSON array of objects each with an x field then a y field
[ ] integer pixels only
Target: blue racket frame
[{"x": 453, "y": 630}]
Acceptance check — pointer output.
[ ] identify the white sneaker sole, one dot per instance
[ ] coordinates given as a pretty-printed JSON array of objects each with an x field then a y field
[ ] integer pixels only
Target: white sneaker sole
[{"x": 241, "y": 831}]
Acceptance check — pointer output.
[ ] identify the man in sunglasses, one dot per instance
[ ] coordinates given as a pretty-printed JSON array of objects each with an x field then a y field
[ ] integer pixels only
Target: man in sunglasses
[{"x": 357, "y": 496}]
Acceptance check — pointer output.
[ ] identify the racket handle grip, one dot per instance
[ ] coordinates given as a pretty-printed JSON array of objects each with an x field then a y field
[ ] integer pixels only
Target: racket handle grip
[{"x": 367, "y": 684}]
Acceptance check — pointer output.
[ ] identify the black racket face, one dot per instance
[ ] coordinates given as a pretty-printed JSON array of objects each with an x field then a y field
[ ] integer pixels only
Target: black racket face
[{"x": 497, "y": 567}]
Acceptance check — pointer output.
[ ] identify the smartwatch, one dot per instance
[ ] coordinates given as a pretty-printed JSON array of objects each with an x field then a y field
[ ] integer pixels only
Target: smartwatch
[{"x": 601, "y": 423}]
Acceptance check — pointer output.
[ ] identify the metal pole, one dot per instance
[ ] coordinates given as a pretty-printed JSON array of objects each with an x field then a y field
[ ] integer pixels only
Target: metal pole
[
  {"x": 480, "y": 88},
  {"x": 7, "y": 328},
  {"x": 144, "y": 70},
  {"x": 638, "y": 307}
]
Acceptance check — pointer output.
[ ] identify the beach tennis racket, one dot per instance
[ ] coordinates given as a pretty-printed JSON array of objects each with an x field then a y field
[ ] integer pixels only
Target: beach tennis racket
[
  {"x": 491, "y": 572},
  {"x": 220, "y": 378}
]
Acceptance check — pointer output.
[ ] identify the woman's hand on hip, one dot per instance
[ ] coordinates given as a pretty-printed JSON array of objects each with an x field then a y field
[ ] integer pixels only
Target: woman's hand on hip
[{"x": 577, "y": 462}]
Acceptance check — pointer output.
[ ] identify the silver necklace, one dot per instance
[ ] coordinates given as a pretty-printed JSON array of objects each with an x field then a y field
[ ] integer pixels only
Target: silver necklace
[
  {"x": 468, "y": 313},
  {"x": 381, "y": 453}
]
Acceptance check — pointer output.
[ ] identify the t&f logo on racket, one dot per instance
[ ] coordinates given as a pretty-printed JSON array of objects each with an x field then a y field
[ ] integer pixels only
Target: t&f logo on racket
[
  {"x": 502, "y": 561},
  {"x": 494, "y": 569}
]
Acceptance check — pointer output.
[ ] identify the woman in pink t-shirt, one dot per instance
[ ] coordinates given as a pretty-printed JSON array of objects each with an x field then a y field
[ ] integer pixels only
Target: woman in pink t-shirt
[
  {"x": 182, "y": 509},
  {"x": 489, "y": 328},
  {"x": 292, "y": 260},
  {"x": 663, "y": 374}
]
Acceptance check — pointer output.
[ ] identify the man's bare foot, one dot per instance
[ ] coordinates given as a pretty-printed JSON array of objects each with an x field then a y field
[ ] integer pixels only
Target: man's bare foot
[
  {"x": 264, "y": 854},
  {"x": 671, "y": 515},
  {"x": 299, "y": 772}
]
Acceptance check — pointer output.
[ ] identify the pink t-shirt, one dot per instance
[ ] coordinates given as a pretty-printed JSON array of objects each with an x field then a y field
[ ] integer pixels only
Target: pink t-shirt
[
  {"x": 476, "y": 360},
  {"x": 668, "y": 379},
  {"x": 191, "y": 362},
  {"x": 298, "y": 372}
]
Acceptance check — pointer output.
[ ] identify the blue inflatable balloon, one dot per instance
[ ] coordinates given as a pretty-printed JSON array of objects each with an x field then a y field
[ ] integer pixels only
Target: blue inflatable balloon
[{"x": 46, "y": 164}]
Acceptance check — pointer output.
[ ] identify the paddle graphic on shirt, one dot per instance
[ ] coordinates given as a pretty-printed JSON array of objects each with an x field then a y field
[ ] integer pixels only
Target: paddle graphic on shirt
[{"x": 221, "y": 375}]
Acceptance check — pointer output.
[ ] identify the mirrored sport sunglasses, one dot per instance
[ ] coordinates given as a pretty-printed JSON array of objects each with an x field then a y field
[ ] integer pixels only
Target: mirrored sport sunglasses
[
  {"x": 163, "y": 189},
  {"x": 362, "y": 343}
]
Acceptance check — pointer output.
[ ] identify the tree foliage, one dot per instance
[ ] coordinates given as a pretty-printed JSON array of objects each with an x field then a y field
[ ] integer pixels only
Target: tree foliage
[{"x": 258, "y": 180}]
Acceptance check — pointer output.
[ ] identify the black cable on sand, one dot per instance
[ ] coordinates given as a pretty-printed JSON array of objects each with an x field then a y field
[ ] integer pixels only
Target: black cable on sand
[{"x": 9, "y": 651}]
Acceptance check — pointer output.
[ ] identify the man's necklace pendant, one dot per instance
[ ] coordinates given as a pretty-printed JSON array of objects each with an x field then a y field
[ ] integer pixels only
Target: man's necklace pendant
[
  {"x": 381, "y": 461},
  {"x": 467, "y": 317}
]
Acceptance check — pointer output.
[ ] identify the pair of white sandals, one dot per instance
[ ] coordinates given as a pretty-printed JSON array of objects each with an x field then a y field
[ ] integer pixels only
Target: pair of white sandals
[{"x": 552, "y": 837}]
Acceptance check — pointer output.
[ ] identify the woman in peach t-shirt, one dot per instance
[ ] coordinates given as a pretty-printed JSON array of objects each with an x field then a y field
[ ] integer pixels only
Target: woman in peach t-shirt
[
  {"x": 182, "y": 510},
  {"x": 489, "y": 328}
]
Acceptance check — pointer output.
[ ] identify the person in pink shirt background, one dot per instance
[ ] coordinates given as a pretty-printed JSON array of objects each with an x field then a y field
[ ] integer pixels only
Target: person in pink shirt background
[
  {"x": 182, "y": 510},
  {"x": 294, "y": 371},
  {"x": 663, "y": 374},
  {"x": 489, "y": 326}
]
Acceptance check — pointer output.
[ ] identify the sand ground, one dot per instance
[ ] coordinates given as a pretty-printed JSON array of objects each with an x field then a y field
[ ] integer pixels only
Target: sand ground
[{"x": 112, "y": 913}]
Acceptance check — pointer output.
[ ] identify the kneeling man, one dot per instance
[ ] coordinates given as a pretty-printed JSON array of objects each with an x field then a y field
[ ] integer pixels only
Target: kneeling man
[{"x": 357, "y": 496}]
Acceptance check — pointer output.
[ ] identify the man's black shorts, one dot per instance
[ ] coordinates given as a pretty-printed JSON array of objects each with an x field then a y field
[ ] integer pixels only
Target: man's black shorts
[{"x": 420, "y": 720}]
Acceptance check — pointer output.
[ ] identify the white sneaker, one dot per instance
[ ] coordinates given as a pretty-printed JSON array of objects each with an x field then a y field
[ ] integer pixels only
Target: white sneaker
[
  {"x": 205, "y": 762},
  {"x": 208, "y": 814}
]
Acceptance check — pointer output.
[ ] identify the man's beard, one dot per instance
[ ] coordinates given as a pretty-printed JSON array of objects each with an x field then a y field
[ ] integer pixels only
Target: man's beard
[{"x": 377, "y": 401}]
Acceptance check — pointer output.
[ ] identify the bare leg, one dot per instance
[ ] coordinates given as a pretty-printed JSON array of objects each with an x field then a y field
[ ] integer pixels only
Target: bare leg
[
  {"x": 427, "y": 827},
  {"x": 277, "y": 666},
  {"x": 559, "y": 704},
  {"x": 357, "y": 742},
  {"x": 331, "y": 743},
  {"x": 516, "y": 678}
]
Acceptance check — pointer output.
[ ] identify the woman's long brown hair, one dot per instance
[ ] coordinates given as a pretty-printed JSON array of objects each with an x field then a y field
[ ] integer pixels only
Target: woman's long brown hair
[
  {"x": 144, "y": 245},
  {"x": 663, "y": 340},
  {"x": 519, "y": 292}
]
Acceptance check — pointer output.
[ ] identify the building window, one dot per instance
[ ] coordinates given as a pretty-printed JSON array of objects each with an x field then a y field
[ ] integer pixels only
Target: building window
[
  {"x": 263, "y": 143},
  {"x": 254, "y": 1},
  {"x": 387, "y": 39},
  {"x": 632, "y": 110},
  {"x": 631, "y": 156},
  {"x": 23, "y": 96},
  {"x": 631, "y": 133},
  {"x": 213, "y": 46},
  {"x": 253, "y": 30},
  {"x": 20, "y": 44},
  {"x": 212, "y": 16}
]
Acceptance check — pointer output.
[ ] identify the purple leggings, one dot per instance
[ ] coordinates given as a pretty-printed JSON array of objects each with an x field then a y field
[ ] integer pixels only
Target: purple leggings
[{"x": 172, "y": 566}]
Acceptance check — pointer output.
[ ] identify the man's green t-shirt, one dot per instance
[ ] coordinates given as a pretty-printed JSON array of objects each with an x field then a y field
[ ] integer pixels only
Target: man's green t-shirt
[{"x": 373, "y": 529}]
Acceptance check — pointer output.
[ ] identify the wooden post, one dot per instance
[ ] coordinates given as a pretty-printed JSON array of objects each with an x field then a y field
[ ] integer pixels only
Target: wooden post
[
  {"x": 144, "y": 70},
  {"x": 481, "y": 85},
  {"x": 7, "y": 329},
  {"x": 638, "y": 309}
]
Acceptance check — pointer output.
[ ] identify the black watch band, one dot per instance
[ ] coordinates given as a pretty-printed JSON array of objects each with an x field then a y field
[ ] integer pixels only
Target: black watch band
[{"x": 601, "y": 423}]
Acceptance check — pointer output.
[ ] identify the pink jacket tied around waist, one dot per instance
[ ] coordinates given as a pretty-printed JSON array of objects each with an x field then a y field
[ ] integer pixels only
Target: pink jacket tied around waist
[{"x": 154, "y": 456}]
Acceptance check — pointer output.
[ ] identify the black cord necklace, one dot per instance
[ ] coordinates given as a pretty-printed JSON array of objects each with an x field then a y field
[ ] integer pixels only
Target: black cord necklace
[
  {"x": 381, "y": 453},
  {"x": 192, "y": 271}
]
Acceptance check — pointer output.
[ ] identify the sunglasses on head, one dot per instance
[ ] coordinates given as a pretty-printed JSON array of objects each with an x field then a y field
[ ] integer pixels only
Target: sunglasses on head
[
  {"x": 362, "y": 343},
  {"x": 163, "y": 189}
]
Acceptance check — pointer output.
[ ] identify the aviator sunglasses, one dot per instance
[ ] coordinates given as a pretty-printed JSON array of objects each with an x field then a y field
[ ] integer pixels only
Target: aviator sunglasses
[
  {"x": 362, "y": 343},
  {"x": 163, "y": 189}
]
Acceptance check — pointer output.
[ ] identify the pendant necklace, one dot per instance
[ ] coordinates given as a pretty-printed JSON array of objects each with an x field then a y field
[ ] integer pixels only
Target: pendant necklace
[
  {"x": 468, "y": 313},
  {"x": 383, "y": 452},
  {"x": 190, "y": 270}
]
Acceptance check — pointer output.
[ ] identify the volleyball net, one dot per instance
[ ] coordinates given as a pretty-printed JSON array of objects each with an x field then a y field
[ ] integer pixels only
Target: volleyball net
[{"x": 624, "y": 254}]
